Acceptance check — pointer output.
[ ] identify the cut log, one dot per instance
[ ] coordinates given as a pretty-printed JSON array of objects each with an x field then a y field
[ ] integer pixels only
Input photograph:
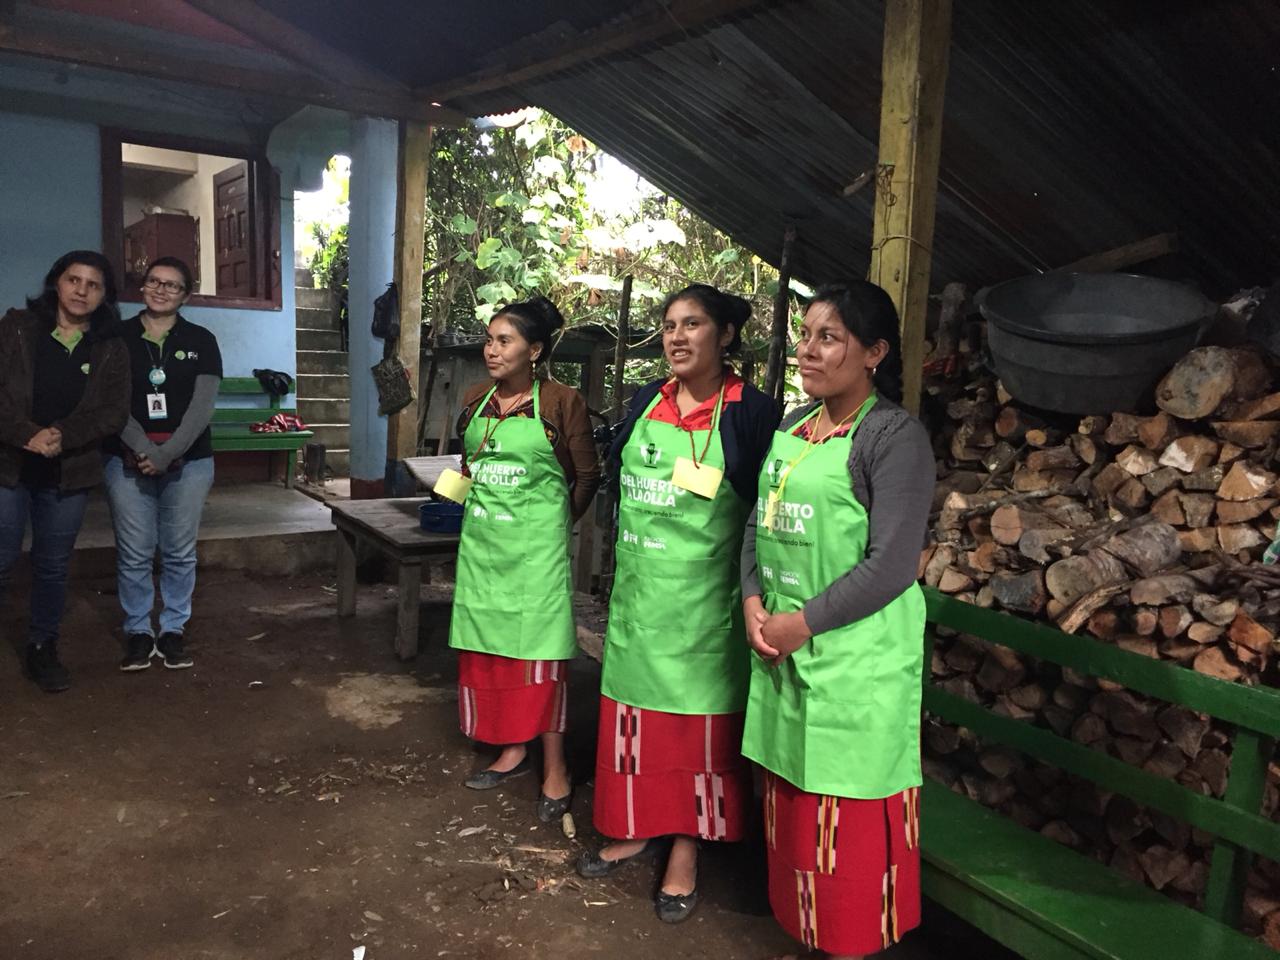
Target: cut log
[
  {"x": 1057, "y": 458},
  {"x": 1185, "y": 728},
  {"x": 1136, "y": 461},
  {"x": 1161, "y": 480},
  {"x": 1162, "y": 865},
  {"x": 1002, "y": 669},
  {"x": 1061, "y": 832},
  {"x": 1199, "y": 540},
  {"x": 1145, "y": 620},
  {"x": 954, "y": 580},
  {"x": 999, "y": 458},
  {"x": 1109, "y": 480},
  {"x": 1252, "y": 378},
  {"x": 1071, "y": 578},
  {"x": 1043, "y": 437},
  {"x": 1143, "y": 646},
  {"x": 1024, "y": 593},
  {"x": 1202, "y": 633},
  {"x": 1180, "y": 649},
  {"x": 1210, "y": 478},
  {"x": 1264, "y": 408},
  {"x": 1068, "y": 512},
  {"x": 1166, "y": 761},
  {"x": 1127, "y": 713},
  {"x": 1190, "y": 454},
  {"x": 1087, "y": 605},
  {"x": 1248, "y": 633},
  {"x": 985, "y": 558},
  {"x": 1167, "y": 508},
  {"x": 1147, "y": 548},
  {"x": 1158, "y": 591},
  {"x": 1250, "y": 434},
  {"x": 1229, "y": 454},
  {"x": 1086, "y": 448},
  {"x": 1236, "y": 537},
  {"x": 1216, "y": 662},
  {"x": 1012, "y": 424},
  {"x": 1156, "y": 433},
  {"x": 1092, "y": 426},
  {"x": 1030, "y": 696},
  {"x": 1218, "y": 612},
  {"x": 1198, "y": 383},
  {"x": 1036, "y": 481},
  {"x": 1034, "y": 544},
  {"x": 1214, "y": 766},
  {"x": 1103, "y": 624},
  {"x": 1174, "y": 620},
  {"x": 1089, "y": 729},
  {"x": 1198, "y": 508},
  {"x": 1011, "y": 521},
  {"x": 943, "y": 558},
  {"x": 1132, "y": 495},
  {"x": 1122, "y": 429},
  {"x": 1245, "y": 481}
]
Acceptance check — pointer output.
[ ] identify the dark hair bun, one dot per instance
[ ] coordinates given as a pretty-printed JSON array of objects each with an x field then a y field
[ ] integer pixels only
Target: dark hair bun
[
  {"x": 550, "y": 319},
  {"x": 723, "y": 308},
  {"x": 537, "y": 319}
]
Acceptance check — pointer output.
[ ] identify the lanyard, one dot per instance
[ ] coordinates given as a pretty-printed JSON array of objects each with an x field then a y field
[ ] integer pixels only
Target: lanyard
[
  {"x": 811, "y": 445},
  {"x": 495, "y": 422},
  {"x": 715, "y": 419}
]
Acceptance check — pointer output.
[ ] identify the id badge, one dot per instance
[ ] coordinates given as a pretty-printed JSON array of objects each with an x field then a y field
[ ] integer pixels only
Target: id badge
[
  {"x": 704, "y": 480},
  {"x": 157, "y": 406},
  {"x": 452, "y": 485},
  {"x": 770, "y": 509}
]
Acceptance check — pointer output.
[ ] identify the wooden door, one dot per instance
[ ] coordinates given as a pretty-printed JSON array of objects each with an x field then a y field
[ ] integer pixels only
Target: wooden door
[{"x": 234, "y": 234}]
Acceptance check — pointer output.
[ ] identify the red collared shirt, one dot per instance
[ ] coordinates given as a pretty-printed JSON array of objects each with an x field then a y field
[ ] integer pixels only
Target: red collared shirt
[{"x": 699, "y": 418}]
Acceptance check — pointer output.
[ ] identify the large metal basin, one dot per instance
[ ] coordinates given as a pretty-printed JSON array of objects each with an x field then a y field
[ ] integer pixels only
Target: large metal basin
[{"x": 1089, "y": 342}]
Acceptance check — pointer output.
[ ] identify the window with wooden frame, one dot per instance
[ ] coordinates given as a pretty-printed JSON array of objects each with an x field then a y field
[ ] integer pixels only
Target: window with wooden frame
[{"x": 212, "y": 205}]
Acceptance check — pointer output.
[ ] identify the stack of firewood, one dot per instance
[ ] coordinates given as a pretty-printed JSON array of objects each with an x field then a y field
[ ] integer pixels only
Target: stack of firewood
[{"x": 1143, "y": 531}]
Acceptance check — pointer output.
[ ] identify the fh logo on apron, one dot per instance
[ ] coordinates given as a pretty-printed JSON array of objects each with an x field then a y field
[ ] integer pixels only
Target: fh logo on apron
[{"x": 651, "y": 454}]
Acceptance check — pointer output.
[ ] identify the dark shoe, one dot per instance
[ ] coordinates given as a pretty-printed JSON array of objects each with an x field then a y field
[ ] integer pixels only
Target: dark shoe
[
  {"x": 551, "y": 809},
  {"x": 673, "y": 907},
  {"x": 592, "y": 866},
  {"x": 142, "y": 647},
  {"x": 169, "y": 647},
  {"x": 44, "y": 667},
  {"x": 488, "y": 779}
]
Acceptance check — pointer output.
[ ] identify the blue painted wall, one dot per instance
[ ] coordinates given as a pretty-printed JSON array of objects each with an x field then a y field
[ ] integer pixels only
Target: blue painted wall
[{"x": 51, "y": 202}]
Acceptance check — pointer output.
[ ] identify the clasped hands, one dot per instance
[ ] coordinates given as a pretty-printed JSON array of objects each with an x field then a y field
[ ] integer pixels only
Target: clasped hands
[
  {"x": 47, "y": 442},
  {"x": 774, "y": 636}
]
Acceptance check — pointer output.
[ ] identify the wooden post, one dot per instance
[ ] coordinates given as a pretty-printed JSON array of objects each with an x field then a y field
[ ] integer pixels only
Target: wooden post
[
  {"x": 917, "y": 36},
  {"x": 411, "y": 205},
  {"x": 620, "y": 350},
  {"x": 775, "y": 369},
  {"x": 584, "y": 559}
]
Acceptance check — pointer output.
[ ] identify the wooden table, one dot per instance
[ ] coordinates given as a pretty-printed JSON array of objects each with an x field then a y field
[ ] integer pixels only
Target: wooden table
[{"x": 391, "y": 527}]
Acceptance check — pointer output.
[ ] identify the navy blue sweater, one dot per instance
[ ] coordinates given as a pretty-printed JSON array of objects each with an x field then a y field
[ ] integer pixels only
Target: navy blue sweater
[{"x": 746, "y": 430}]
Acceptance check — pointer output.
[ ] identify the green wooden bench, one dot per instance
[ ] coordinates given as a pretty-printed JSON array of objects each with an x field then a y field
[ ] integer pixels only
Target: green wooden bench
[
  {"x": 230, "y": 425},
  {"x": 1043, "y": 899}
]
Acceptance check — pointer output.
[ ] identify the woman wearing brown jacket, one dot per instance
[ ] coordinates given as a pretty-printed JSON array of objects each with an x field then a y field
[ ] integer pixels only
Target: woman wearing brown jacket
[
  {"x": 64, "y": 388},
  {"x": 530, "y": 471}
]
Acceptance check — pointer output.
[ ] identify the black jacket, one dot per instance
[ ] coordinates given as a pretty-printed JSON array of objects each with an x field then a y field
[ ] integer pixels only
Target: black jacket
[
  {"x": 101, "y": 412},
  {"x": 746, "y": 430}
]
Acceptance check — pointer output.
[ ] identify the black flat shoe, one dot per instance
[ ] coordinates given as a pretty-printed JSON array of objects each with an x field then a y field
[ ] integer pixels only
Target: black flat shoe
[
  {"x": 488, "y": 779},
  {"x": 675, "y": 907},
  {"x": 551, "y": 809},
  {"x": 591, "y": 865}
]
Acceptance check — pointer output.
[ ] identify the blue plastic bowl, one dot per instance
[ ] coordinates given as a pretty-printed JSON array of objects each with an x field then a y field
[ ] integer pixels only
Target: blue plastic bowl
[{"x": 439, "y": 517}]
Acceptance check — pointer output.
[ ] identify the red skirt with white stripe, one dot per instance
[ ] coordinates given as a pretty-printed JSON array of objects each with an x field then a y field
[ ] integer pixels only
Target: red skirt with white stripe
[
  {"x": 844, "y": 875},
  {"x": 668, "y": 773},
  {"x": 502, "y": 700}
]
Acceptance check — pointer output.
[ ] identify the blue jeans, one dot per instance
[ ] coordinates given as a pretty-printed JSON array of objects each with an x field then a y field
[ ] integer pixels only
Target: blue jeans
[
  {"x": 55, "y": 523},
  {"x": 161, "y": 511}
]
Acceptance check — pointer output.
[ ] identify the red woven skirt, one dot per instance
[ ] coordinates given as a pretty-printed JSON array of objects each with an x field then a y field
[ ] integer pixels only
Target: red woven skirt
[
  {"x": 844, "y": 875},
  {"x": 668, "y": 773},
  {"x": 502, "y": 700}
]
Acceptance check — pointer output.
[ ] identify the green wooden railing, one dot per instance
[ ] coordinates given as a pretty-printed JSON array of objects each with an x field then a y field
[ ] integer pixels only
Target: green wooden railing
[{"x": 1235, "y": 820}]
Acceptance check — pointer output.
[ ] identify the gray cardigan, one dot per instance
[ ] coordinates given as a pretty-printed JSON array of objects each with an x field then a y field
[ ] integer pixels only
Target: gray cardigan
[{"x": 892, "y": 473}]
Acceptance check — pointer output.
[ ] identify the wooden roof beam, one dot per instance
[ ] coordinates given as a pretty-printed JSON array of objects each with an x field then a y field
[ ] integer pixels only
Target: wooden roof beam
[
  {"x": 672, "y": 16},
  {"x": 298, "y": 46},
  {"x": 292, "y": 87}
]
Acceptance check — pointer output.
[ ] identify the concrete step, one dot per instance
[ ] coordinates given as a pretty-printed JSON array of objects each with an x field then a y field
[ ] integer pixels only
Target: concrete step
[
  {"x": 309, "y": 339},
  {"x": 309, "y": 299},
  {"x": 302, "y": 277},
  {"x": 333, "y": 435},
  {"x": 324, "y": 386},
  {"x": 321, "y": 361},
  {"x": 338, "y": 462},
  {"x": 315, "y": 318},
  {"x": 321, "y": 410}
]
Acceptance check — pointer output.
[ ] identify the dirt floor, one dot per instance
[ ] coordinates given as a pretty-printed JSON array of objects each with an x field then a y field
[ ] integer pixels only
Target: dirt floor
[{"x": 298, "y": 795}]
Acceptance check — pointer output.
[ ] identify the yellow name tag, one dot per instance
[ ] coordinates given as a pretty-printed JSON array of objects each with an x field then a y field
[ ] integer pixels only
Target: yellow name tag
[
  {"x": 452, "y": 485},
  {"x": 702, "y": 479},
  {"x": 770, "y": 509}
]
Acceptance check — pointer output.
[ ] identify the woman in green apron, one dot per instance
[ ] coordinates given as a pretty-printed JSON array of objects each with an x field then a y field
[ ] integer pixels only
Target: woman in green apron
[
  {"x": 675, "y": 676},
  {"x": 530, "y": 471},
  {"x": 836, "y": 623}
]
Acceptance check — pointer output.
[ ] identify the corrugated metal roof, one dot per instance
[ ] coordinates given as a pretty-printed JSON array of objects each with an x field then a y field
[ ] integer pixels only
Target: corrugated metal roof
[{"x": 1070, "y": 128}]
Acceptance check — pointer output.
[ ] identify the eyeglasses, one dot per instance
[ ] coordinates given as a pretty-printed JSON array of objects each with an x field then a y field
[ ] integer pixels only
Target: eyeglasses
[{"x": 168, "y": 286}]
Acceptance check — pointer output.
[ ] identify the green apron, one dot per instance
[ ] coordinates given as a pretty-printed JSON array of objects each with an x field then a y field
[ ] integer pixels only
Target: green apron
[
  {"x": 513, "y": 595},
  {"x": 675, "y": 640},
  {"x": 841, "y": 715}
]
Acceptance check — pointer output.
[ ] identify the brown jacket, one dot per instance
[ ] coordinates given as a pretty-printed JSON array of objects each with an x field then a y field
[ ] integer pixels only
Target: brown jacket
[
  {"x": 101, "y": 412},
  {"x": 565, "y": 410}
]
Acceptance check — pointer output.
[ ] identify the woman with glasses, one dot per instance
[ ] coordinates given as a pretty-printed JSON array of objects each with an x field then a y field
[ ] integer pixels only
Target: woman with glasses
[
  {"x": 64, "y": 388},
  {"x": 160, "y": 469}
]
